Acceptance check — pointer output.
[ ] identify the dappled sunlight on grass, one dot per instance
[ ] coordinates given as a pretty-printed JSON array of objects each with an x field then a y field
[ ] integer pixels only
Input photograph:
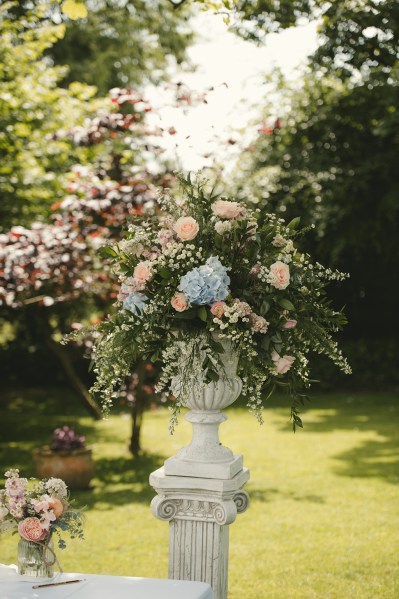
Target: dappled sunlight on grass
[{"x": 323, "y": 503}]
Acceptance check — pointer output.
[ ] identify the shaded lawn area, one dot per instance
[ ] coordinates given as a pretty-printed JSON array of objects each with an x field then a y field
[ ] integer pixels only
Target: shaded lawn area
[{"x": 324, "y": 516}]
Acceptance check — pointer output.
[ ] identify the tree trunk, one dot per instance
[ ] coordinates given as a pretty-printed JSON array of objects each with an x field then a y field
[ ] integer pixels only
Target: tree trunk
[
  {"x": 137, "y": 419},
  {"x": 72, "y": 376},
  {"x": 138, "y": 408}
]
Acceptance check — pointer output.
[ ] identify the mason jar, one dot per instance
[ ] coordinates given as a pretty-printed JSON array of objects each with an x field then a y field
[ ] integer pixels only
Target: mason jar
[{"x": 36, "y": 559}]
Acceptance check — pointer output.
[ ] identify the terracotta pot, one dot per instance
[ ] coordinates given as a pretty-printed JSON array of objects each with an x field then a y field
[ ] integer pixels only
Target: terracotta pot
[{"x": 75, "y": 467}]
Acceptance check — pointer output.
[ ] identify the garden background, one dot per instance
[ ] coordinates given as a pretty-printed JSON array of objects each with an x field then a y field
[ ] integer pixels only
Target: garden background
[{"x": 82, "y": 149}]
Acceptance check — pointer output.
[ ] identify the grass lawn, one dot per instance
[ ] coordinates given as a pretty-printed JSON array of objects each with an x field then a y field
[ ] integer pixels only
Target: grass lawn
[{"x": 324, "y": 517}]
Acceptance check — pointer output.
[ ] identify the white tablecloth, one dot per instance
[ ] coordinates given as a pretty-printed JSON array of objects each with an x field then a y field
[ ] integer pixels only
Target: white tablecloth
[{"x": 101, "y": 587}]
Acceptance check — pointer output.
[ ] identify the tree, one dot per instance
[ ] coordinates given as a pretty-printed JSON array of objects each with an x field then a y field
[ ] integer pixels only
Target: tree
[
  {"x": 123, "y": 43},
  {"x": 51, "y": 277},
  {"x": 333, "y": 159},
  {"x": 50, "y": 274},
  {"x": 32, "y": 108}
]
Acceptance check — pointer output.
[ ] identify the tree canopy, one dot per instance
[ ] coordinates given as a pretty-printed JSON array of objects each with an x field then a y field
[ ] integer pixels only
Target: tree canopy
[
  {"x": 332, "y": 159},
  {"x": 123, "y": 43},
  {"x": 32, "y": 108}
]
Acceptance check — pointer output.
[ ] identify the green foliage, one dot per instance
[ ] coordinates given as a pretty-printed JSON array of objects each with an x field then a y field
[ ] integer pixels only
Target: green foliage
[
  {"x": 32, "y": 108},
  {"x": 333, "y": 160},
  {"x": 123, "y": 43}
]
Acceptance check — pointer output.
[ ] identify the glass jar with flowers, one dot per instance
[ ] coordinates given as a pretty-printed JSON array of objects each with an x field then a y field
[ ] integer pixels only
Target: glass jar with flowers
[{"x": 38, "y": 511}]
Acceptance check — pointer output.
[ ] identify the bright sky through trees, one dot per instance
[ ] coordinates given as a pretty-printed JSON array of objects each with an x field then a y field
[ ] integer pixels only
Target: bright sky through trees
[{"x": 234, "y": 68}]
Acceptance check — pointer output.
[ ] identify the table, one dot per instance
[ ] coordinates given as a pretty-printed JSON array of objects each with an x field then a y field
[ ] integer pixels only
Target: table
[{"x": 102, "y": 587}]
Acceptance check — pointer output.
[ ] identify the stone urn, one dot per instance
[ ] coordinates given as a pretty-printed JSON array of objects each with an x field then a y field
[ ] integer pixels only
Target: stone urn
[{"x": 205, "y": 456}]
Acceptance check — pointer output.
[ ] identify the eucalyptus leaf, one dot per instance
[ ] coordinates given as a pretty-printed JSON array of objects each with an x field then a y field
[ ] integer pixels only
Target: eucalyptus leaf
[
  {"x": 285, "y": 303},
  {"x": 107, "y": 252},
  {"x": 294, "y": 222},
  {"x": 264, "y": 308},
  {"x": 165, "y": 272},
  {"x": 202, "y": 313}
]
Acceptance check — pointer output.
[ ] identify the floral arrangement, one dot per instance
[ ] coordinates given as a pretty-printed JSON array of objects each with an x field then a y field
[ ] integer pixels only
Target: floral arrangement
[
  {"x": 204, "y": 269},
  {"x": 38, "y": 510},
  {"x": 66, "y": 439}
]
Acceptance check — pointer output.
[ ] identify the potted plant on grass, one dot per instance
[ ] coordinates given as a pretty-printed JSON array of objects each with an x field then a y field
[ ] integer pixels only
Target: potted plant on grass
[{"x": 67, "y": 457}]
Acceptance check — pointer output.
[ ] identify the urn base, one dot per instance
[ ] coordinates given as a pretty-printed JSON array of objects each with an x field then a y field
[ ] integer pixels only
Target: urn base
[{"x": 176, "y": 466}]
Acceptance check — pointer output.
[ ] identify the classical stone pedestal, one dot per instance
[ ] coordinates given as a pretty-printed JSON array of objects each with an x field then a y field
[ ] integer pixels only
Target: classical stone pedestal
[
  {"x": 200, "y": 489},
  {"x": 199, "y": 511}
]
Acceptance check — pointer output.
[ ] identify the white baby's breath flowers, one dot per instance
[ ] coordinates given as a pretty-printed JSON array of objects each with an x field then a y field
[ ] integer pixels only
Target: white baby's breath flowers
[
  {"x": 222, "y": 227},
  {"x": 56, "y": 487},
  {"x": 279, "y": 241}
]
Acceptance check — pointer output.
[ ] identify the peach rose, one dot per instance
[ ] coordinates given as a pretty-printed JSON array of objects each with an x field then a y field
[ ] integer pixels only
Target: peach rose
[
  {"x": 55, "y": 505},
  {"x": 281, "y": 275},
  {"x": 186, "y": 228},
  {"x": 179, "y": 302},
  {"x": 282, "y": 363},
  {"x": 290, "y": 324},
  {"x": 143, "y": 272},
  {"x": 30, "y": 529},
  {"x": 217, "y": 309},
  {"x": 227, "y": 209}
]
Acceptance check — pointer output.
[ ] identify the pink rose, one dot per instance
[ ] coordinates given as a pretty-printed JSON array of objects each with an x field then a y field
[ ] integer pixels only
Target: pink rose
[
  {"x": 227, "y": 209},
  {"x": 217, "y": 309},
  {"x": 30, "y": 529},
  {"x": 179, "y": 302},
  {"x": 290, "y": 324},
  {"x": 186, "y": 228},
  {"x": 143, "y": 272},
  {"x": 282, "y": 363},
  {"x": 281, "y": 275}
]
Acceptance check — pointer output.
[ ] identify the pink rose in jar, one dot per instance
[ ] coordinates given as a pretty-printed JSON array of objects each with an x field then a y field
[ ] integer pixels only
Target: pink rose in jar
[
  {"x": 227, "y": 209},
  {"x": 281, "y": 275},
  {"x": 179, "y": 302},
  {"x": 186, "y": 228},
  {"x": 282, "y": 363},
  {"x": 290, "y": 324},
  {"x": 217, "y": 309},
  {"x": 30, "y": 529},
  {"x": 143, "y": 272}
]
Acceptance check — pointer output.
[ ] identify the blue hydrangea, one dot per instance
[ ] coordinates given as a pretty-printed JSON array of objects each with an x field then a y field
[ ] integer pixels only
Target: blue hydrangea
[
  {"x": 206, "y": 284},
  {"x": 135, "y": 302}
]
